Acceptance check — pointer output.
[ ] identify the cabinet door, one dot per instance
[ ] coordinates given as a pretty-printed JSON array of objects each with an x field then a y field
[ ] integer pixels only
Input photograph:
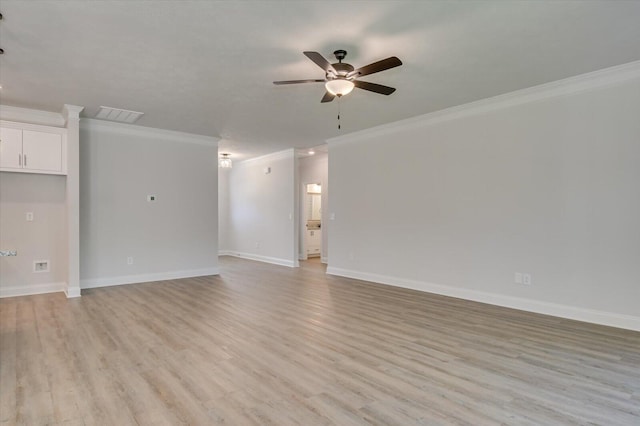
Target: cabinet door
[
  {"x": 42, "y": 151},
  {"x": 10, "y": 148},
  {"x": 314, "y": 242}
]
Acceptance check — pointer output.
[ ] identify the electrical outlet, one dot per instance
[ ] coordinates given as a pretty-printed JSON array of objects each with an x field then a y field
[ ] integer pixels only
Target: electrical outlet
[
  {"x": 526, "y": 279},
  {"x": 129, "y": 260},
  {"x": 518, "y": 278},
  {"x": 29, "y": 216}
]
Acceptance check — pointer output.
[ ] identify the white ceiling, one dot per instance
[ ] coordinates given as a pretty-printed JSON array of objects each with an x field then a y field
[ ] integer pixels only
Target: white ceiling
[{"x": 207, "y": 67}]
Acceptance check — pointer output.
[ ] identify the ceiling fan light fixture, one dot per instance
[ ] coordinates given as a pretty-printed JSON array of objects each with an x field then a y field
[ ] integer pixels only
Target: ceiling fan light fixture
[
  {"x": 224, "y": 162},
  {"x": 340, "y": 78},
  {"x": 339, "y": 86}
]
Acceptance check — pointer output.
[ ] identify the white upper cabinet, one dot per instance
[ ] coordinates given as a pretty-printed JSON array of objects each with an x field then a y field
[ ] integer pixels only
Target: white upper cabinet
[
  {"x": 10, "y": 148},
  {"x": 32, "y": 149},
  {"x": 42, "y": 152}
]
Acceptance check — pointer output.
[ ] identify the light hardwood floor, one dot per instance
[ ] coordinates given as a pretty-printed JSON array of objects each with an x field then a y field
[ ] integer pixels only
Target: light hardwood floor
[{"x": 263, "y": 344}]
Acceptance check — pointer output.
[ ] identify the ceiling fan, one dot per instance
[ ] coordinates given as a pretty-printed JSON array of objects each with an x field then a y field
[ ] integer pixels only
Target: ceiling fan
[{"x": 341, "y": 78}]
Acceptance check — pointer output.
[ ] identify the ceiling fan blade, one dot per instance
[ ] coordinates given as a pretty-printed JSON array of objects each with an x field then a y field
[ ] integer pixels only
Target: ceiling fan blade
[
  {"x": 328, "y": 97},
  {"x": 297, "y": 81},
  {"x": 320, "y": 61},
  {"x": 382, "y": 65},
  {"x": 372, "y": 87}
]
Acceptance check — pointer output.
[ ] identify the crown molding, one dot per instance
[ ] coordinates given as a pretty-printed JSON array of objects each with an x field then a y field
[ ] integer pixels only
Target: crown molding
[
  {"x": 146, "y": 132},
  {"x": 568, "y": 86},
  {"x": 287, "y": 153},
  {"x": 35, "y": 127},
  {"x": 71, "y": 112},
  {"x": 32, "y": 116}
]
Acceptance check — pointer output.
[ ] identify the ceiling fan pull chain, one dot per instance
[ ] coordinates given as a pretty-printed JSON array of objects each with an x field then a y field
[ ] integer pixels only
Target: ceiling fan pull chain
[{"x": 339, "y": 97}]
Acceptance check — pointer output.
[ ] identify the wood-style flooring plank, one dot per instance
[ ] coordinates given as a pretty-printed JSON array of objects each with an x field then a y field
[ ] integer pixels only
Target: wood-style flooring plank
[{"x": 269, "y": 345}]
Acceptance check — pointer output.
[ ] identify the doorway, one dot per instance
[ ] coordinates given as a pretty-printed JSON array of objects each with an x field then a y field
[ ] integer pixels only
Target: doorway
[{"x": 312, "y": 220}]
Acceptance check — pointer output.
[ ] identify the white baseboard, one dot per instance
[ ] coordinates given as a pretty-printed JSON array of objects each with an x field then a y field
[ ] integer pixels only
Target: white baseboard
[
  {"x": 225, "y": 253},
  {"x": 324, "y": 260},
  {"x": 266, "y": 259},
  {"x": 32, "y": 289},
  {"x": 306, "y": 257},
  {"x": 143, "y": 278},
  {"x": 72, "y": 292},
  {"x": 564, "y": 311}
]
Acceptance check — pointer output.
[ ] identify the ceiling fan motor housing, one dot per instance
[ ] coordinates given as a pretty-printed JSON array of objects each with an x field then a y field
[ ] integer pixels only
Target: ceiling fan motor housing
[{"x": 342, "y": 69}]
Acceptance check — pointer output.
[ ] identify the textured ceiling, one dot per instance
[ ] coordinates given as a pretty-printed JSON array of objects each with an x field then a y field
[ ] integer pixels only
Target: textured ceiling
[{"x": 207, "y": 67}]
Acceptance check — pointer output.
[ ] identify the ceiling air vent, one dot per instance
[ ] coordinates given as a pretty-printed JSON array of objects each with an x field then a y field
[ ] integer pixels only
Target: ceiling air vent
[{"x": 119, "y": 115}]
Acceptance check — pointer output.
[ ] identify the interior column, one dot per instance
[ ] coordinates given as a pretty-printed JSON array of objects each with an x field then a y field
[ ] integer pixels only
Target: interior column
[{"x": 71, "y": 114}]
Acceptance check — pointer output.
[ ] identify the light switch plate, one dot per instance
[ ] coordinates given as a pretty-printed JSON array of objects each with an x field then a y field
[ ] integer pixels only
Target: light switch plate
[{"x": 29, "y": 216}]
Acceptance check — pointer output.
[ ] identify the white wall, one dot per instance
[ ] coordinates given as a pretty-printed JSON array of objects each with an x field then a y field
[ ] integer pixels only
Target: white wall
[
  {"x": 175, "y": 236},
  {"x": 314, "y": 169},
  {"x": 262, "y": 218},
  {"x": 224, "y": 215},
  {"x": 543, "y": 182},
  {"x": 42, "y": 239}
]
